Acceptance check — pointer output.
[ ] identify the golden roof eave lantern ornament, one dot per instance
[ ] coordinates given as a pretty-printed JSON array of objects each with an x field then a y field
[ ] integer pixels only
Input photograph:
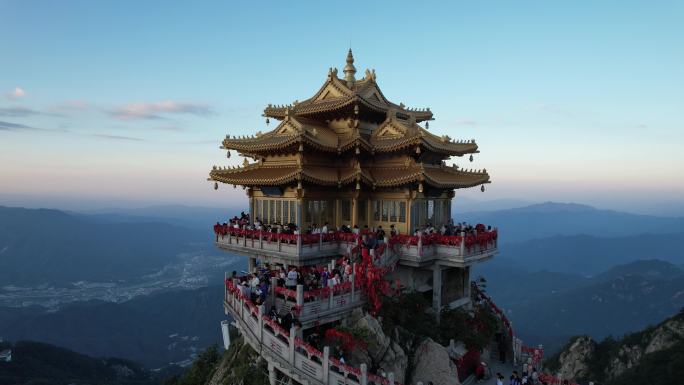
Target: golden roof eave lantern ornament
[{"x": 347, "y": 122}]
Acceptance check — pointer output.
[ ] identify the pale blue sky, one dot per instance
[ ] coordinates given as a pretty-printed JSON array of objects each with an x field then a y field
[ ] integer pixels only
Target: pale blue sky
[{"x": 126, "y": 102}]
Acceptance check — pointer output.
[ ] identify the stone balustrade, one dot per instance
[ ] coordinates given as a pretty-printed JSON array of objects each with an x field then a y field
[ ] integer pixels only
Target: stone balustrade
[
  {"x": 319, "y": 306},
  {"x": 290, "y": 355},
  {"x": 458, "y": 250}
]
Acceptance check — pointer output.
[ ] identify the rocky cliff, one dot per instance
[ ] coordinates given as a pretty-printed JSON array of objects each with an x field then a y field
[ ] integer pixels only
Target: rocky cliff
[{"x": 656, "y": 353}]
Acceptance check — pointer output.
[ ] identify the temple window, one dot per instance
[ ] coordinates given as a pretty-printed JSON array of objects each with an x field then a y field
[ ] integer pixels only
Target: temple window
[
  {"x": 345, "y": 208},
  {"x": 319, "y": 212},
  {"x": 361, "y": 210}
]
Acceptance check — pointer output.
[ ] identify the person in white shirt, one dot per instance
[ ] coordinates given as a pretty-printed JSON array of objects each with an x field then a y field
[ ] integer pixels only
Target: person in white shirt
[
  {"x": 291, "y": 280},
  {"x": 254, "y": 282},
  {"x": 325, "y": 228}
]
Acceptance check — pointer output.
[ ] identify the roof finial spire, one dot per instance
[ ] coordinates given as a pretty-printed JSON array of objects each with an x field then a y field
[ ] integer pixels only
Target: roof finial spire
[{"x": 350, "y": 70}]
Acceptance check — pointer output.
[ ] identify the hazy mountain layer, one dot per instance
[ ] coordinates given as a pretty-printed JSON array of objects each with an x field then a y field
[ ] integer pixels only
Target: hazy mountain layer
[{"x": 41, "y": 246}]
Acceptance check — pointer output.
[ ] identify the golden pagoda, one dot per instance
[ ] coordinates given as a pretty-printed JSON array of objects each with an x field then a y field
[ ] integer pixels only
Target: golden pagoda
[
  {"x": 348, "y": 156},
  {"x": 340, "y": 164}
]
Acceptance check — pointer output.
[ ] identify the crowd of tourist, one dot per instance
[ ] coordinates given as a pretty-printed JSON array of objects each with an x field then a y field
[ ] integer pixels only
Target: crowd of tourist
[
  {"x": 532, "y": 377},
  {"x": 371, "y": 237}
]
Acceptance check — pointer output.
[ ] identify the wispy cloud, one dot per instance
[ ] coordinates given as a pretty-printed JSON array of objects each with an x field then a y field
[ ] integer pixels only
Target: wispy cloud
[
  {"x": 24, "y": 111},
  {"x": 16, "y": 93},
  {"x": 117, "y": 137},
  {"x": 9, "y": 126},
  {"x": 158, "y": 109},
  {"x": 169, "y": 128}
]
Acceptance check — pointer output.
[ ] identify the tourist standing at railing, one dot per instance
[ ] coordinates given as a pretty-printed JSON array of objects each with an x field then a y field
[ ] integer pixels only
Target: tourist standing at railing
[
  {"x": 254, "y": 282},
  {"x": 263, "y": 291},
  {"x": 325, "y": 276},
  {"x": 292, "y": 277},
  {"x": 393, "y": 231},
  {"x": 380, "y": 234},
  {"x": 347, "y": 268},
  {"x": 335, "y": 280}
]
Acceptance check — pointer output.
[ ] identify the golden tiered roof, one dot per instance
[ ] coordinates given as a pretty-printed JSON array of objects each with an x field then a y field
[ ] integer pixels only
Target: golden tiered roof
[
  {"x": 440, "y": 176},
  {"x": 377, "y": 143},
  {"x": 392, "y": 135}
]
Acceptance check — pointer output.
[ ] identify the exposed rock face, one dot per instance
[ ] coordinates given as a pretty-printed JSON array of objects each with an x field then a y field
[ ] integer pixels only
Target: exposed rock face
[
  {"x": 573, "y": 361},
  {"x": 382, "y": 352},
  {"x": 236, "y": 367},
  {"x": 660, "y": 338},
  {"x": 432, "y": 363}
]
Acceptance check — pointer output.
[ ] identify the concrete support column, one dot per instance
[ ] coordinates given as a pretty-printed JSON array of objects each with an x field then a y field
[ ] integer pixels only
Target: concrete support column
[
  {"x": 437, "y": 289},
  {"x": 462, "y": 248},
  {"x": 251, "y": 263},
  {"x": 291, "y": 356},
  {"x": 364, "y": 375},
  {"x": 330, "y": 304},
  {"x": 271, "y": 374},
  {"x": 225, "y": 331},
  {"x": 326, "y": 364},
  {"x": 300, "y": 295},
  {"x": 261, "y": 311}
]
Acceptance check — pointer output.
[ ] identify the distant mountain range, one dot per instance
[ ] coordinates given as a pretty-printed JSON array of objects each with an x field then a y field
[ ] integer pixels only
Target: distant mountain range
[
  {"x": 200, "y": 218},
  {"x": 154, "y": 330},
  {"x": 557, "y": 273},
  {"x": 549, "y": 308},
  {"x": 40, "y": 246},
  {"x": 550, "y": 219}
]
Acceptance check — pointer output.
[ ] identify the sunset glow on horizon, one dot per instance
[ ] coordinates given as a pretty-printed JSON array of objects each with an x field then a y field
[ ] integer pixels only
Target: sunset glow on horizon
[{"x": 126, "y": 103}]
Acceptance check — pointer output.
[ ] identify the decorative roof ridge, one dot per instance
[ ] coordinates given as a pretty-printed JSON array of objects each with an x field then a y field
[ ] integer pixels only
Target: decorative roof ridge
[
  {"x": 250, "y": 166},
  {"x": 457, "y": 170}
]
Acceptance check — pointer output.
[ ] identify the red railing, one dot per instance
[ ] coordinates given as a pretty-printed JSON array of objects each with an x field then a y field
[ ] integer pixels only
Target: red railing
[
  {"x": 537, "y": 354},
  {"x": 312, "y": 351},
  {"x": 482, "y": 238}
]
